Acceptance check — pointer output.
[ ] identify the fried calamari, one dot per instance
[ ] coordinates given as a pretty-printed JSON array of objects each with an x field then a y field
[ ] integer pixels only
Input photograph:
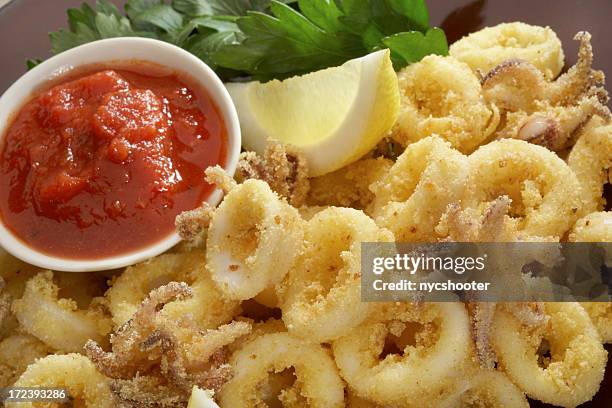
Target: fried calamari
[
  {"x": 425, "y": 366},
  {"x": 320, "y": 298},
  {"x": 317, "y": 383},
  {"x": 17, "y": 352},
  {"x": 544, "y": 112},
  {"x": 43, "y": 314},
  {"x": 491, "y": 46},
  {"x": 429, "y": 171},
  {"x": 442, "y": 96},
  {"x": 177, "y": 351},
  {"x": 282, "y": 167},
  {"x": 253, "y": 240},
  {"x": 349, "y": 186},
  {"x": 206, "y": 306},
  {"x": 86, "y": 386},
  {"x": 591, "y": 160},
  {"x": 560, "y": 362}
]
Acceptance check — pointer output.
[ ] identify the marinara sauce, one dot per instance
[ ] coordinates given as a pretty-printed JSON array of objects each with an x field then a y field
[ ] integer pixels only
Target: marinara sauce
[{"x": 101, "y": 164}]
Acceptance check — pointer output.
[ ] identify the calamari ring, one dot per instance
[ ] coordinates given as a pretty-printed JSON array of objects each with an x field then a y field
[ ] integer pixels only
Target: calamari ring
[
  {"x": 595, "y": 227},
  {"x": 601, "y": 316},
  {"x": 321, "y": 296},
  {"x": 488, "y": 388},
  {"x": 442, "y": 96},
  {"x": 591, "y": 160},
  {"x": 207, "y": 307},
  {"x": 85, "y": 385},
  {"x": 253, "y": 240},
  {"x": 489, "y": 47},
  {"x": 315, "y": 372},
  {"x": 413, "y": 196},
  {"x": 427, "y": 370},
  {"x": 545, "y": 193},
  {"x": 44, "y": 315},
  {"x": 575, "y": 368},
  {"x": 17, "y": 352}
]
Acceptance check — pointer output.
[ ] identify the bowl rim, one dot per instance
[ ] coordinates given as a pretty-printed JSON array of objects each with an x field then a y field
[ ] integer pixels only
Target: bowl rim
[{"x": 108, "y": 51}]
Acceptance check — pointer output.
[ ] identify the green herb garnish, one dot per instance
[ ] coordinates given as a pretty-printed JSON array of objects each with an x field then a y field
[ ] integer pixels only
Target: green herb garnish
[{"x": 264, "y": 39}]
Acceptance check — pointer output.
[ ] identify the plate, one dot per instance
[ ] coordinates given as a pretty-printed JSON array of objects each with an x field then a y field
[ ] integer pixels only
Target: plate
[{"x": 24, "y": 25}]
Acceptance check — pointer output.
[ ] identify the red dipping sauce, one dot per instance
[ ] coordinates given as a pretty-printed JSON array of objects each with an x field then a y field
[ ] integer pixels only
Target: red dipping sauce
[{"x": 101, "y": 164}]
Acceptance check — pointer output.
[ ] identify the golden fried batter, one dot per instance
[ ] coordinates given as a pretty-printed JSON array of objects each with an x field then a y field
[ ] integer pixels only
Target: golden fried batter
[
  {"x": 181, "y": 354},
  {"x": 349, "y": 186},
  {"x": 548, "y": 113},
  {"x": 442, "y": 96},
  {"x": 191, "y": 224},
  {"x": 489, "y": 47},
  {"x": 282, "y": 167},
  {"x": 147, "y": 392}
]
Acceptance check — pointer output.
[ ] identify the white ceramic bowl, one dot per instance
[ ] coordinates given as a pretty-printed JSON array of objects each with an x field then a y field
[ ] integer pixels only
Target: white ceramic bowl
[{"x": 107, "y": 51}]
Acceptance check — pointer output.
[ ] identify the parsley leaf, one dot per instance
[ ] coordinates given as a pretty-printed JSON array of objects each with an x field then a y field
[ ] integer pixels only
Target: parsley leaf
[
  {"x": 305, "y": 46},
  {"x": 414, "y": 45},
  {"x": 327, "y": 33},
  {"x": 264, "y": 39},
  {"x": 221, "y": 7}
]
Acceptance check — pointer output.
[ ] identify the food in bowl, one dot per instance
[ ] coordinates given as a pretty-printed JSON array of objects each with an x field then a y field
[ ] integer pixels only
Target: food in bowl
[
  {"x": 260, "y": 305},
  {"x": 102, "y": 162}
]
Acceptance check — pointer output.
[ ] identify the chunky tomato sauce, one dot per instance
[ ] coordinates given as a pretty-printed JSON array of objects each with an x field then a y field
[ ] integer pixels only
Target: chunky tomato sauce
[{"x": 102, "y": 164}]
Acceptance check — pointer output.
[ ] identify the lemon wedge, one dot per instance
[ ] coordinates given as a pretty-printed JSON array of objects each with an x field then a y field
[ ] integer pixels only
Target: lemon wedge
[
  {"x": 334, "y": 116},
  {"x": 201, "y": 399}
]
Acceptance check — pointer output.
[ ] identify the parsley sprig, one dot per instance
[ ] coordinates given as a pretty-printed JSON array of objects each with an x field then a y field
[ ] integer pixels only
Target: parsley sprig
[{"x": 264, "y": 39}]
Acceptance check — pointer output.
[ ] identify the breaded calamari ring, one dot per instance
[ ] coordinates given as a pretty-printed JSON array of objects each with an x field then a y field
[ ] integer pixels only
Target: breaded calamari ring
[
  {"x": 207, "y": 307},
  {"x": 442, "y": 96},
  {"x": 545, "y": 193},
  {"x": 317, "y": 381},
  {"x": 428, "y": 365},
  {"x": 57, "y": 321},
  {"x": 253, "y": 239},
  {"x": 595, "y": 227},
  {"x": 411, "y": 198},
  {"x": 572, "y": 372},
  {"x": 321, "y": 296},
  {"x": 601, "y": 316},
  {"x": 74, "y": 372},
  {"x": 591, "y": 160},
  {"x": 488, "y": 388},
  {"x": 17, "y": 352},
  {"x": 489, "y": 47},
  {"x": 348, "y": 186}
]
